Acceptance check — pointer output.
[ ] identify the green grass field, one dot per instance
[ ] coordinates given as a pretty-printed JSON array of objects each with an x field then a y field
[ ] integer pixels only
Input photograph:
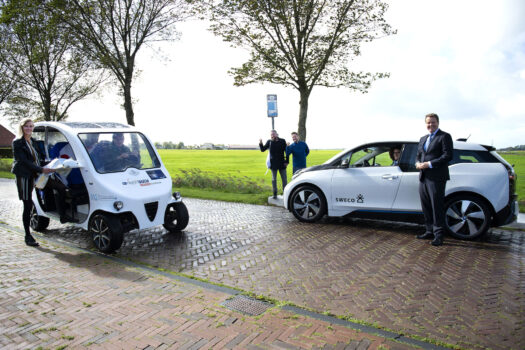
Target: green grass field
[
  {"x": 517, "y": 159},
  {"x": 239, "y": 166},
  {"x": 240, "y": 176}
]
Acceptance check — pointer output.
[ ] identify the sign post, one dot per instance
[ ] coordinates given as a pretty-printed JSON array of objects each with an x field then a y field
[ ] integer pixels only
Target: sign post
[{"x": 272, "y": 107}]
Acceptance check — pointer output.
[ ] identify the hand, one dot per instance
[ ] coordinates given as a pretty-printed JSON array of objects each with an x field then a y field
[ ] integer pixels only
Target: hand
[
  {"x": 287, "y": 143},
  {"x": 48, "y": 170},
  {"x": 421, "y": 166}
]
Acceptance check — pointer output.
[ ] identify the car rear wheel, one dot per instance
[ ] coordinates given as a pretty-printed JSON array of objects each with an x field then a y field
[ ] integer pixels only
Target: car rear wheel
[
  {"x": 106, "y": 232},
  {"x": 176, "y": 218},
  {"x": 37, "y": 222},
  {"x": 308, "y": 204},
  {"x": 467, "y": 217}
]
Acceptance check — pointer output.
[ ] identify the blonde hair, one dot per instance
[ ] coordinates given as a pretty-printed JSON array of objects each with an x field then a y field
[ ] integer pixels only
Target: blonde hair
[{"x": 21, "y": 126}]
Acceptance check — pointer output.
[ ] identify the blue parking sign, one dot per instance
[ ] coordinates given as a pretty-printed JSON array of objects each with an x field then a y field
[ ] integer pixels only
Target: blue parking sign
[{"x": 272, "y": 105}]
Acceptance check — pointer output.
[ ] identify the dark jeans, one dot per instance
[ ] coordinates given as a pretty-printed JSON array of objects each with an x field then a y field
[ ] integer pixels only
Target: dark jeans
[
  {"x": 432, "y": 194},
  {"x": 274, "y": 179}
]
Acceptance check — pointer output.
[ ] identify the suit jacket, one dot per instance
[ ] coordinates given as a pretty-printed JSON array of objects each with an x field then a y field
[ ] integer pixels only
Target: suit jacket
[
  {"x": 277, "y": 153},
  {"x": 439, "y": 153},
  {"x": 24, "y": 164}
]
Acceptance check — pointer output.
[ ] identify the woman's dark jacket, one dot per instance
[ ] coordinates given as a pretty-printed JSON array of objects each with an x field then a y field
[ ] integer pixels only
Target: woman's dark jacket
[
  {"x": 24, "y": 164},
  {"x": 277, "y": 153}
]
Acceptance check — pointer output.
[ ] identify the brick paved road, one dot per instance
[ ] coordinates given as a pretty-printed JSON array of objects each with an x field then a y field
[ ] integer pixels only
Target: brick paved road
[
  {"x": 54, "y": 297},
  {"x": 471, "y": 294}
]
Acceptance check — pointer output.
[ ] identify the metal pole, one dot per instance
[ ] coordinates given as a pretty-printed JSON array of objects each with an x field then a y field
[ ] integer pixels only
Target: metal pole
[{"x": 273, "y": 127}]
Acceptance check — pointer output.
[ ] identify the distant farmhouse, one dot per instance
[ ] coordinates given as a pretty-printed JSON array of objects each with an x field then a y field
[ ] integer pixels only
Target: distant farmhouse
[
  {"x": 243, "y": 147},
  {"x": 6, "y": 137}
]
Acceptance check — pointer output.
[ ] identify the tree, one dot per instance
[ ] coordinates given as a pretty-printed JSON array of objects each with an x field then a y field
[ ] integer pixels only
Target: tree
[
  {"x": 300, "y": 43},
  {"x": 113, "y": 32},
  {"x": 8, "y": 80},
  {"x": 42, "y": 59}
]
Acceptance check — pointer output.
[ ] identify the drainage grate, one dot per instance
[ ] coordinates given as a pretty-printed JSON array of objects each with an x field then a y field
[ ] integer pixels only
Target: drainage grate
[{"x": 246, "y": 305}]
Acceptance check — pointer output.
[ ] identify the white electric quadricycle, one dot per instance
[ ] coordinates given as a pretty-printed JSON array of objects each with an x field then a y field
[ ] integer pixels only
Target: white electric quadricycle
[{"x": 115, "y": 181}]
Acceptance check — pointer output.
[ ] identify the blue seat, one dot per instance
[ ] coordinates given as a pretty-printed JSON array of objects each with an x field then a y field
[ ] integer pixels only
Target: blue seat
[{"x": 74, "y": 177}]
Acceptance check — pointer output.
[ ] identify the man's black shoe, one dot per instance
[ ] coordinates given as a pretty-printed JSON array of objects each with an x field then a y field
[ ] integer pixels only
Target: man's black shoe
[
  {"x": 437, "y": 241},
  {"x": 426, "y": 235}
]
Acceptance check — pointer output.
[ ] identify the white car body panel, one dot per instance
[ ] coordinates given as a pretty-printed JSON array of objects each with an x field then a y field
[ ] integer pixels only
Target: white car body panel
[{"x": 372, "y": 188}]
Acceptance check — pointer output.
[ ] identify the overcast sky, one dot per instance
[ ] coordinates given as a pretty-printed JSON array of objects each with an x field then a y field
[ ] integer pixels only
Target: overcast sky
[{"x": 464, "y": 60}]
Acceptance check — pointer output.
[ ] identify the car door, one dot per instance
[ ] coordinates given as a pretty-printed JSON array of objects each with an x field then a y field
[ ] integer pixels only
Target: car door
[
  {"x": 407, "y": 199},
  {"x": 369, "y": 182}
]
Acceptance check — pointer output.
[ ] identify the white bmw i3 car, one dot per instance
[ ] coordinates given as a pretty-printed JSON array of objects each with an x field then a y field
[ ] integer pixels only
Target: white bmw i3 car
[{"x": 363, "y": 182}]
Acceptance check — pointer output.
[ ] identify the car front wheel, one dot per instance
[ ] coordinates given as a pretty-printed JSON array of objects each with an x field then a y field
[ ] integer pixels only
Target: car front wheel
[
  {"x": 176, "y": 218},
  {"x": 467, "y": 217},
  {"x": 308, "y": 204},
  {"x": 106, "y": 232}
]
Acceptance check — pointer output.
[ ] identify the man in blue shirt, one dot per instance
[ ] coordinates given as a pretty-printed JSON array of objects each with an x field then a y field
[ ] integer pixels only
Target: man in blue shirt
[{"x": 300, "y": 150}]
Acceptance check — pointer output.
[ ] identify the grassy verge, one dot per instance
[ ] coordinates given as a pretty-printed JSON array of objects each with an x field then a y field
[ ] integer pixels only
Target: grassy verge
[{"x": 204, "y": 193}]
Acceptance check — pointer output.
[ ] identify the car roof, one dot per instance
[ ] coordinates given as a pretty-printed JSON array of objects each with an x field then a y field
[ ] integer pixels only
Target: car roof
[
  {"x": 81, "y": 127},
  {"x": 461, "y": 145}
]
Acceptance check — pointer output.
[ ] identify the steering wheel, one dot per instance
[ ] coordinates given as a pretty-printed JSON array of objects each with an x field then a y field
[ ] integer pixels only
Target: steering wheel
[{"x": 132, "y": 160}]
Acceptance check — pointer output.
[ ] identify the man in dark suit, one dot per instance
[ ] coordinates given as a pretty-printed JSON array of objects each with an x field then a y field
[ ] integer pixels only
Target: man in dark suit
[
  {"x": 433, "y": 154},
  {"x": 278, "y": 158}
]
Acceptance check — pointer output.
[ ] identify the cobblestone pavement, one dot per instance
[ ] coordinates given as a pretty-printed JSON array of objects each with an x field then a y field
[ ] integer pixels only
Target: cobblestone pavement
[
  {"x": 470, "y": 294},
  {"x": 53, "y": 297}
]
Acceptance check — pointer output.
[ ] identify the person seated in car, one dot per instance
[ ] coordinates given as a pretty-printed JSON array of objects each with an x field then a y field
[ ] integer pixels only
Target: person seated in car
[
  {"x": 394, "y": 153},
  {"x": 117, "y": 155}
]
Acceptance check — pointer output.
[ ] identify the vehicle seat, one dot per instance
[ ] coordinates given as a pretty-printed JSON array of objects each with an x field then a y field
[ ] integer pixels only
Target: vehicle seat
[{"x": 54, "y": 152}]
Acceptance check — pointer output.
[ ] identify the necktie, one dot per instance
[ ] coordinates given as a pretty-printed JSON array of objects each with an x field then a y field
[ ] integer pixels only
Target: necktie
[{"x": 428, "y": 141}]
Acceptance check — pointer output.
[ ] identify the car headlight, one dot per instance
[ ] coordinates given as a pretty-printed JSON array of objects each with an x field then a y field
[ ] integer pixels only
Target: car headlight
[{"x": 118, "y": 205}]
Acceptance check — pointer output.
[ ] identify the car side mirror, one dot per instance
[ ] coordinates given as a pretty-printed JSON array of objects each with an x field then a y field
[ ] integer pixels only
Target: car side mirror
[{"x": 345, "y": 163}]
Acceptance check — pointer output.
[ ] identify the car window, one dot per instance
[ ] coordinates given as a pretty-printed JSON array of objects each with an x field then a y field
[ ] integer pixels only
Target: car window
[
  {"x": 408, "y": 158},
  {"x": 370, "y": 156},
  {"x": 117, "y": 151},
  {"x": 467, "y": 156}
]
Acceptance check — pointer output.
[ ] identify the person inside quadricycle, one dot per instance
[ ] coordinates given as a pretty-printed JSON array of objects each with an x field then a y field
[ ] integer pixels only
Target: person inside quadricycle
[{"x": 114, "y": 156}]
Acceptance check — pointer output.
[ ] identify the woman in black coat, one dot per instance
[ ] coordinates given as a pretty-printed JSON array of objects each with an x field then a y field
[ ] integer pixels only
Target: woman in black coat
[{"x": 26, "y": 166}]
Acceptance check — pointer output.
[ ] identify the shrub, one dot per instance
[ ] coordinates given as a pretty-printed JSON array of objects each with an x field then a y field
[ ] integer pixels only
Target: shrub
[
  {"x": 5, "y": 165},
  {"x": 227, "y": 183},
  {"x": 6, "y": 152}
]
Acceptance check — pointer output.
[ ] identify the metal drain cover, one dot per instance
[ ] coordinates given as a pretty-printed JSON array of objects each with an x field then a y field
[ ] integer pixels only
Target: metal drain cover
[{"x": 246, "y": 305}]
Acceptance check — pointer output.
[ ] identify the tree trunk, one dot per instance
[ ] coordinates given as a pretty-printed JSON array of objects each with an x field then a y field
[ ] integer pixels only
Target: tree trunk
[
  {"x": 46, "y": 104},
  {"x": 303, "y": 112},
  {"x": 128, "y": 103}
]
